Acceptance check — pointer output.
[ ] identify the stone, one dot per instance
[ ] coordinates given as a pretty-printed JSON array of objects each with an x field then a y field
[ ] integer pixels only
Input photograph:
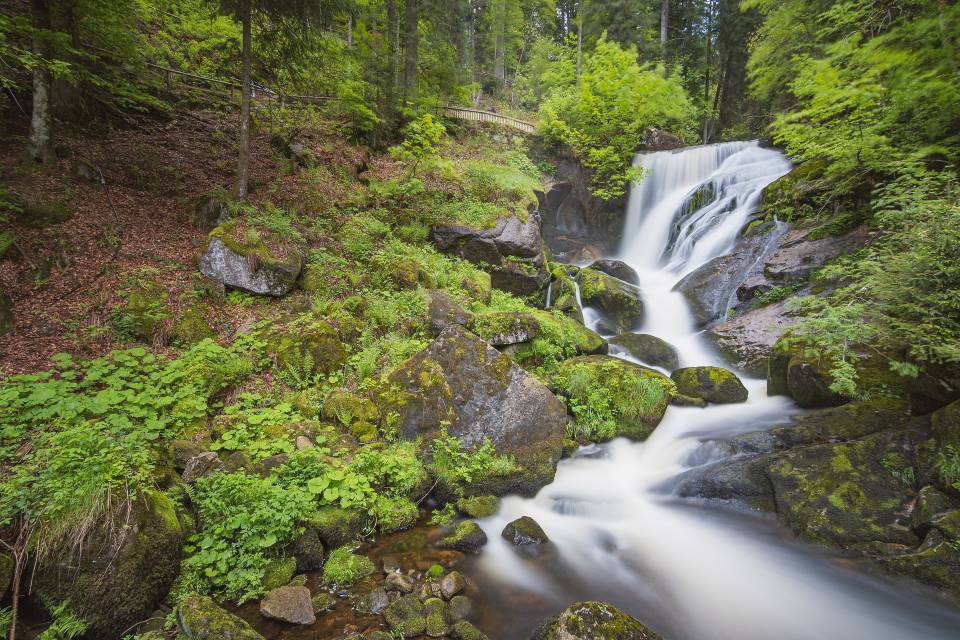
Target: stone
[
  {"x": 467, "y": 536},
  {"x": 436, "y": 623},
  {"x": 460, "y": 607},
  {"x": 279, "y": 572},
  {"x": 798, "y": 256},
  {"x": 289, "y": 604},
  {"x": 657, "y": 140},
  {"x": 681, "y": 400},
  {"x": 793, "y": 370},
  {"x": 201, "y": 466},
  {"x": 308, "y": 550},
  {"x": 182, "y": 451},
  {"x": 303, "y": 442},
  {"x": 593, "y": 621},
  {"x": 503, "y": 328},
  {"x": 946, "y": 425},
  {"x": 463, "y": 385},
  {"x": 210, "y": 211},
  {"x": 322, "y": 603},
  {"x": 479, "y": 506},
  {"x": 713, "y": 384},
  {"x": 463, "y": 630},
  {"x": 308, "y": 347},
  {"x": 244, "y": 268},
  {"x": 931, "y": 502},
  {"x": 375, "y": 602},
  {"x": 648, "y": 349},
  {"x": 400, "y": 582},
  {"x": 524, "y": 530},
  {"x": 443, "y": 311},
  {"x": 452, "y": 584},
  {"x": 747, "y": 341},
  {"x": 563, "y": 295},
  {"x": 618, "y": 300},
  {"x": 199, "y": 618},
  {"x": 407, "y": 616},
  {"x": 618, "y": 269},
  {"x": 337, "y": 527}
]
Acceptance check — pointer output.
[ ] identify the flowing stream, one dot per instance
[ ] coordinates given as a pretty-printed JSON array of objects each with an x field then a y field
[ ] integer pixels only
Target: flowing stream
[{"x": 688, "y": 570}]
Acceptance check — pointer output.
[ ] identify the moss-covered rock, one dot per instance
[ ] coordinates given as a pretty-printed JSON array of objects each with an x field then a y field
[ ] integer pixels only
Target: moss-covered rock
[
  {"x": 524, "y": 530},
  {"x": 336, "y": 527},
  {"x": 200, "y": 618},
  {"x": 306, "y": 347},
  {"x": 113, "y": 588},
  {"x": 323, "y": 602},
  {"x": 443, "y": 311},
  {"x": 503, "y": 328},
  {"x": 617, "y": 299},
  {"x": 346, "y": 408},
  {"x": 479, "y": 506},
  {"x": 343, "y": 567},
  {"x": 467, "y": 536},
  {"x": 251, "y": 259},
  {"x": 463, "y": 630},
  {"x": 144, "y": 311},
  {"x": 713, "y": 384},
  {"x": 946, "y": 426},
  {"x": 279, "y": 572},
  {"x": 191, "y": 326},
  {"x": 593, "y": 621},
  {"x": 396, "y": 514},
  {"x": 309, "y": 550},
  {"x": 649, "y": 349},
  {"x": 407, "y": 615},
  {"x": 802, "y": 374},
  {"x": 633, "y": 397},
  {"x": 563, "y": 295},
  {"x": 436, "y": 626}
]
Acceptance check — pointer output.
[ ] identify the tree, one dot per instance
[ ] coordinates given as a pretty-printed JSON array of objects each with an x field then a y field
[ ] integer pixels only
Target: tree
[
  {"x": 41, "y": 121},
  {"x": 411, "y": 45}
]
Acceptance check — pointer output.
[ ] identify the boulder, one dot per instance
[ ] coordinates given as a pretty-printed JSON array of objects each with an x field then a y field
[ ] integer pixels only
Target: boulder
[
  {"x": 399, "y": 582},
  {"x": 462, "y": 384},
  {"x": 210, "y": 211},
  {"x": 649, "y": 349},
  {"x": 375, "y": 602},
  {"x": 199, "y": 618},
  {"x": 336, "y": 527},
  {"x": 452, "y": 584},
  {"x": 479, "y": 506},
  {"x": 436, "y": 623},
  {"x": 799, "y": 256},
  {"x": 503, "y": 328},
  {"x": 563, "y": 295},
  {"x": 443, "y": 311},
  {"x": 467, "y": 537},
  {"x": 802, "y": 374},
  {"x": 593, "y": 621},
  {"x": 746, "y": 341},
  {"x": 289, "y": 604},
  {"x": 234, "y": 258},
  {"x": 709, "y": 290},
  {"x": 657, "y": 140},
  {"x": 713, "y": 384},
  {"x": 407, "y": 615},
  {"x": 117, "y": 583},
  {"x": 618, "y": 300},
  {"x": 463, "y": 630},
  {"x": 202, "y": 465},
  {"x": 524, "y": 530},
  {"x": 618, "y": 269},
  {"x": 308, "y": 550},
  {"x": 931, "y": 503},
  {"x": 307, "y": 347},
  {"x": 460, "y": 608}
]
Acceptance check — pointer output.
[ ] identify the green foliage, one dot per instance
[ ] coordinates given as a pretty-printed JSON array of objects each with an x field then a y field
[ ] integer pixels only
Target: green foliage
[
  {"x": 776, "y": 294},
  {"x": 344, "y": 568},
  {"x": 422, "y": 139},
  {"x": 255, "y": 425},
  {"x": 444, "y": 515},
  {"x": 65, "y": 626},
  {"x": 244, "y": 522},
  {"x": 603, "y": 118},
  {"x": 457, "y": 464}
]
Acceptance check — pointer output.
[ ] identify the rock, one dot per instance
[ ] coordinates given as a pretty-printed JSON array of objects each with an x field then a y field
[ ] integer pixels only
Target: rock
[
  {"x": 798, "y": 256},
  {"x": 459, "y": 608},
  {"x": 289, "y": 604},
  {"x": 710, "y": 288},
  {"x": 463, "y": 630},
  {"x": 931, "y": 502},
  {"x": 251, "y": 267},
  {"x": 467, "y": 536},
  {"x": 322, "y": 602},
  {"x": 337, "y": 527},
  {"x": 753, "y": 287},
  {"x": 452, "y": 584},
  {"x": 503, "y": 328},
  {"x": 713, "y": 384},
  {"x": 936, "y": 563},
  {"x": 436, "y": 626},
  {"x": 524, "y": 530},
  {"x": 635, "y": 419},
  {"x": 375, "y": 602},
  {"x": 464, "y": 385},
  {"x": 307, "y": 347},
  {"x": 268, "y": 464},
  {"x": 479, "y": 506},
  {"x": 201, "y": 466},
  {"x": 308, "y": 550},
  {"x": 142, "y": 315},
  {"x": 657, "y": 140},
  {"x": 563, "y": 296},
  {"x": 298, "y": 581},
  {"x": 746, "y": 341},
  {"x": 618, "y": 269},
  {"x": 649, "y": 349},
  {"x": 793, "y": 370},
  {"x": 617, "y": 299},
  {"x": 443, "y": 311},
  {"x": 191, "y": 326},
  {"x": 946, "y": 425},
  {"x": 680, "y": 400},
  {"x": 182, "y": 451},
  {"x": 593, "y": 621},
  {"x": 407, "y": 616},
  {"x": 199, "y": 618},
  {"x": 279, "y": 572},
  {"x": 122, "y": 575},
  {"x": 400, "y": 582},
  {"x": 303, "y": 442}
]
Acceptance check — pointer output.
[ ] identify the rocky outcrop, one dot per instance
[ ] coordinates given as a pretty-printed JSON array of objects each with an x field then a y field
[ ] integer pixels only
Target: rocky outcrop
[
  {"x": 710, "y": 289},
  {"x": 463, "y": 384},
  {"x": 232, "y": 258},
  {"x": 619, "y": 301},
  {"x": 512, "y": 250},
  {"x": 648, "y": 349},
  {"x": 747, "y": 341},
  {"x": 593, "y": 621},
  {"x": 800, "y": 255},
  {"x": 713, "y": 384},
  {"x": 618, "y": 269}
]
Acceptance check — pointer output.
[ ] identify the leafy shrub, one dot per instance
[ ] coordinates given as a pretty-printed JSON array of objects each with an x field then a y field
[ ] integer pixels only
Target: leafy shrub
[
  {"x": 422, "y": 139},
  {"x": 457, "y": 465},
  {"x": 254, "y": 425}
]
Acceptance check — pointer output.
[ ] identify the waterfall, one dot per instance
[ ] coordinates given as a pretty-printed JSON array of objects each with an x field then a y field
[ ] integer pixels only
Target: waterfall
[{"x": 617, "y": 534}]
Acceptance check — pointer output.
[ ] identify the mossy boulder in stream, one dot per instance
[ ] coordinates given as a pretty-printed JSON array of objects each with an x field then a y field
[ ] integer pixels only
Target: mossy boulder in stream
[
  {"x": 563, "y": 294},
  {"x": 467, "y": 537},
  {"x": 618, "y": 300},
  {"x": 200, "y": 618},
  {"x": 649, "y": 349},
  {"x": 713, "y": 384},
  {"x": 251, "y": 259},
  {"x": 593, "y": 621},
  {"x": 407, "y": 616}
]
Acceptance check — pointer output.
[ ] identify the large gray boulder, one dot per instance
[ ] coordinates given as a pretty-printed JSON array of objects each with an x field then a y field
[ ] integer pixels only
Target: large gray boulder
[
  {"x": 290, "y": 604},
  {"x": 242, "y": 267},
  {"x": 799, "y": 256},
  {"x": 593, "y": 621},
  {"x": 479, "y": 394},
  {"x": 747, "y": 340},
  {"x": 619, "y": 301},
  {"x": 618, "y": 269}
]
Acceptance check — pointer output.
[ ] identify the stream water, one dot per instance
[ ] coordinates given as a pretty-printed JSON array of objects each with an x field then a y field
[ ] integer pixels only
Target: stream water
[{"x": 688, "y": 570}]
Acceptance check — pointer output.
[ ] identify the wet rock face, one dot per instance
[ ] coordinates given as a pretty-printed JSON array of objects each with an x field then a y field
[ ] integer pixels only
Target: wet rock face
[
  {"x": 593, "y": 621},
  {"x": 649, "y": 349},
  {"x": 620, "y": 301},
  {"x": 290, "y": 604},
  {"x": 798, "y": 256},
  {"x": 243, "y": 271},
  {"x": 461, "y": 380},
  {"x": 713, "y": 384},
  {"x": 524, "y": 530},
  {"x": 747, "y": 340},
  {"x": 618, "y": 269}
]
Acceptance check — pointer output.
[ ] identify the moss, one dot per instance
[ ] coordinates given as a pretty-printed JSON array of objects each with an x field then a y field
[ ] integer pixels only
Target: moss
[
  {"x": 199, "y": 618},
  {"x": 344, "y": 568},
  {"x": 279, "y": 572},
  {"x": 617, "y": 299},
  {"x": 337, "y": 527},
  {"x": 306, "y": 347},
  {"x": 43, "y": 213},
  {"x": 504, "y": 327},
  {"x": 436, "y": 624},
  {"x": 253, "y": 243},
  {"x": 467, "y": 536},
  {"x": 395, "y": 514},
  {"x": 191, "y": 326},
  {"x": 478, "y": 286},
  {"x": 713, "y": 384},
  {"x": 594, "y": 620},
  {"x": 323, "y": 602},
  {"x": 463, "y": 630},
  {"x": 407, "y": 616},
  {"x": 479, "y": 506}
]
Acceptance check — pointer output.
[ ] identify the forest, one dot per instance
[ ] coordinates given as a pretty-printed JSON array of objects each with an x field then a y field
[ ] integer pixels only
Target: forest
[{"x": 509, "y": 319}]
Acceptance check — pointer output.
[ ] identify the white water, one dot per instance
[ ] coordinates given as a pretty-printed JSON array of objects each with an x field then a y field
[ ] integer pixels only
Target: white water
[{"x": 689, "y": 571}]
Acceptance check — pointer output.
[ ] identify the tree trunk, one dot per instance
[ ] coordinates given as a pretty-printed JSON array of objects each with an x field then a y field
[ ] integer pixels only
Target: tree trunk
[
  {"x": 579, "y": 42},
  {"x": 500, "y": 43},
  {"x": 411, "y": 53},
  {"x": 41, "y": 121},
  {"x": 243, "y": 165},
  {"x": 664, "y": 24},
  {"x": 706, "y": 77}
]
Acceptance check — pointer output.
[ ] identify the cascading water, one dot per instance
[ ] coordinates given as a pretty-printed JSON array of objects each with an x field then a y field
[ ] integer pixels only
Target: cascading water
[{"x": 688, "y": 570}]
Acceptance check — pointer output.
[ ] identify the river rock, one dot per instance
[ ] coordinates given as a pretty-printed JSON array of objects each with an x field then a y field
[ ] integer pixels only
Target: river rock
[
  {"x": 463, "y": 630},
  {"x": 289, "y": 604},
  {"x": 593, "y": 621},
  {"x": 462, "y": 384},
  {"x": 452, "y": 584},
  {"x": 407, "y": 616},
  {"x": 460, "y": 608},
  {"x": 746, "y": 341},
  {"x": 798, "y": 256},
  {"x": 618, "y": 269},
  {"x": 199, "y": 618},
  {"x": 479, "y": 506},
  {"x": 322, "y": 603},
  {"x": 524, "y": 530},
  {"x": 710, "y": 288},
  {"x": 618, "y": 300},
  {"x": 400, "y": 582},
  {"x": 436, "y": 623},
  {"x": 649, "y": 349},
  {"x": 503, "y": 328},
  {"x": 713, "y": 384},
  {"x": 253, "y": 268},
  {"x": 375, "y": 602},
  {"x": 467, "y": 536},
  {"x": 443, "y": 311}
]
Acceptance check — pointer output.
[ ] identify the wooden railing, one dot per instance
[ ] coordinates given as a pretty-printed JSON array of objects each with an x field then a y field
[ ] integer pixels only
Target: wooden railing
[{"x": 475, "y": 115}]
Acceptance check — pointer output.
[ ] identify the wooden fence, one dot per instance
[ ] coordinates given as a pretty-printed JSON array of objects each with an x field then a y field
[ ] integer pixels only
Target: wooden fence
[{"x": 475, "y": 115}]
